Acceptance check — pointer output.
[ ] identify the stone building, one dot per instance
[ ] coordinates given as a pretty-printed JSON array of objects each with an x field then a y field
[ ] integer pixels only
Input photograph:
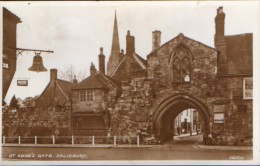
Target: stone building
[
  {"x": 184, "y": 73},
  {"x": 9, "y": 58},
  {"x": 90, "y": 101}
]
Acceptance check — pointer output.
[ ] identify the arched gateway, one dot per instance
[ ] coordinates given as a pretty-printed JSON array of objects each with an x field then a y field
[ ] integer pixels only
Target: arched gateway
[{"x": 170, "y": 108}]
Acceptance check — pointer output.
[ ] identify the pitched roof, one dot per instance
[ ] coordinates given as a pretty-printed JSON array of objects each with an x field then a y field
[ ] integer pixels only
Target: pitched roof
[
  {"x": 142, "y": 62},
  {"x": 65, "y": 86},
  {"x": 62, "y": 85},
  {"x": 98, "y": 81},
  {"x": 180, "y": 35},
  {"x": 10, "y": 16},
  {"x": 239, "y": 52}
]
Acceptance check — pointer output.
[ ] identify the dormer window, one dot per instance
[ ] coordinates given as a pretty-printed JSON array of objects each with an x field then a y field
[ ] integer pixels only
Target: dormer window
[
  {"x": 180, "y": 62},
  {"x": 86, "y": 95}
]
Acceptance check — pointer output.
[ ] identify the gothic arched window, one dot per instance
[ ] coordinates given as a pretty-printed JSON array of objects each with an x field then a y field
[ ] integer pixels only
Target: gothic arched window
[{"x": 180, "y": 63}]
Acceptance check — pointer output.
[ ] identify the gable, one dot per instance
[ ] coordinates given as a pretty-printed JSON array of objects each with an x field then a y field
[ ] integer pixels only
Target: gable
[
  {"x": 56, "y": 93},
  {"x": 128, "y": 67},
  {"x": 180, "y": 39}
]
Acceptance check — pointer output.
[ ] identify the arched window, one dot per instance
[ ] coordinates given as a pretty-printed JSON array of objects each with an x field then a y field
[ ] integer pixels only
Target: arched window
[{"x": 181, "y": 65}]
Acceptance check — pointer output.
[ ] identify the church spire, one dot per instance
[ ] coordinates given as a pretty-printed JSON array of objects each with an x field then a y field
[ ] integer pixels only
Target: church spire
[
  {"x": 115, "y": 49},
  {"x": 115, "y": 41}
]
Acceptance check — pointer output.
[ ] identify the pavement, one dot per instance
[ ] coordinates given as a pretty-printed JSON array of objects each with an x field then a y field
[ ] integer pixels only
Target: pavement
[{"x": 199, "y": 144}]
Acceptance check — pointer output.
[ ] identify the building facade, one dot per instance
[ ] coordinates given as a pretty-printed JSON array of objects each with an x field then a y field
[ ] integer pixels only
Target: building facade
[
  {"x": 9, "y": 58},
  {"x": 186, "y": 74}
]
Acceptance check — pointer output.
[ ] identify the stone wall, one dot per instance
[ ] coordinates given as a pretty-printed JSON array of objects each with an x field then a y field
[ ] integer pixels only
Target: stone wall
[
  {"x": 133, "y": 111},
  {"x": 32, "y": 121}
]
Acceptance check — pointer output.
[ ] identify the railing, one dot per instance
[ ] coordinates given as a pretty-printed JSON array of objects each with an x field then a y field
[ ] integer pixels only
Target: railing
[{"x": 83, "y": 140}]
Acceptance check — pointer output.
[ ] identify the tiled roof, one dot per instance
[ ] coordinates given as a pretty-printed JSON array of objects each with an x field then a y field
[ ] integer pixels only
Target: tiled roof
[
  {"x": 239, "y": 53},
  {"x": 47, "y": 96},
  {"x": 98, "y": 81},
  {"x": 65, "y": 86},
  {"x": 91, "y": 82},
  {"x": 142, "y": 62}
]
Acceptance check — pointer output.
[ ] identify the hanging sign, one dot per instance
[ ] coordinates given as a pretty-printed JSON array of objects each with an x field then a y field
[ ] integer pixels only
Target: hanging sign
[{"x": 22, "y": 82}]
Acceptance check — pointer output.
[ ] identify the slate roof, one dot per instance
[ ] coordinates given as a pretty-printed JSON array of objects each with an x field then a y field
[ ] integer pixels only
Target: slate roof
[
  {"x": 239, "y": 51},
  {"x": 98, "y": 81}
]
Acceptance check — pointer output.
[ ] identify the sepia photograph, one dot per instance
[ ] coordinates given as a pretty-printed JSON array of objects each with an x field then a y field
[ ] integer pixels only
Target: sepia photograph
[{"x": 128, "y": 82}]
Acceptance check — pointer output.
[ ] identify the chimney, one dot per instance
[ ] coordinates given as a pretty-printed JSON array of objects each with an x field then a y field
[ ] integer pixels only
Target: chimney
[
  {"x": 92, "y": 69},
  {"x": 75, "y": 81},
  {"x": 53, "y": 75},
  {"x": 220, "y": 44},
  {"x": 156, "y": 40},
  {"x": 130, "y": 44},
  {"x": 101, "y": 57}
]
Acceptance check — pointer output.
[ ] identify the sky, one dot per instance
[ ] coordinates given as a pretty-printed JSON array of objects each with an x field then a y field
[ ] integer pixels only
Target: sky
[{"x": 75, "y": 31}]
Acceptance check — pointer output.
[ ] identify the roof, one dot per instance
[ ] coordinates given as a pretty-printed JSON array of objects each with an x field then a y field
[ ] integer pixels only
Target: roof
[
  {"x": 180, "y": 35},
  {"x": 65, "y": 86},
  {"x": 239, "y": 52},
  {"x": 9, "y": 15},
  {"x": 62, "y": 85},
  {"x": 98, "y": 81},
  {"x": 142, "y": 62}
]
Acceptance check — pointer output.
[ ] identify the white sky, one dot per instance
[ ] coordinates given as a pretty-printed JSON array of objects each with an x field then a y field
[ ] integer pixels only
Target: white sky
[{"x": 76, "y": 30}]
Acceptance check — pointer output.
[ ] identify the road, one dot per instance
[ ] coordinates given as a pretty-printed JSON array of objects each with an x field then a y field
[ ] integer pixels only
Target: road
[{"x": 183, "y": 148}]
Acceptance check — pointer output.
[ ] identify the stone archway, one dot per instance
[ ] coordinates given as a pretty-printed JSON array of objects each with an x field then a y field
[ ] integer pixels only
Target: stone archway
[{"x": 170, "y": 108}]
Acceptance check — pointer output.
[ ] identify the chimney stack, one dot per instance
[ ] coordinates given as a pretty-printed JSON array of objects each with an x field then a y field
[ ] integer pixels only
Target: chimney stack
[
  {"x": 130, "y": 44},
  {"x": 53, "y": 75},
  {"x": 220, "y": 44},
  {"x": 92, "y": 69},
  {"x": 156, "y": 40},
  {"x": 75, "y": 81},
  {"x": 101, "y": 57}
]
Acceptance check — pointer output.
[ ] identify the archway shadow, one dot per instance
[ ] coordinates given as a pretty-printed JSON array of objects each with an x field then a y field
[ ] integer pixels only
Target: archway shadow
[{"x": 169, "y": 110}]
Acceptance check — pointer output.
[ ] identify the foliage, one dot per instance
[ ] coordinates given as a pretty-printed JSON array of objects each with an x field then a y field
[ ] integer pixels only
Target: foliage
[{"x": 14, "y": 103}]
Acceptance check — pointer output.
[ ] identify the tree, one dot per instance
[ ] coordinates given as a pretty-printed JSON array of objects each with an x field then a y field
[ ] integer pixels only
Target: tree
[
  {"x": 30, "y": 101},
  {"x": 14, "y": 103},
  {"x": 68, "y": 74}
]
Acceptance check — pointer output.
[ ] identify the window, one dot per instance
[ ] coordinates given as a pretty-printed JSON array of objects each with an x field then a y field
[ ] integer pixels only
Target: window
[
  {"x": 86, "y": 96},
  {"x": 181, "y": 65},
  {"x": 90, "y": 95},
  {"x": 5, "y": 62},
  {"x": 248, "y": 88},
  {"x": 5, "y": 65},
  {"x": 82, "y": 96}
]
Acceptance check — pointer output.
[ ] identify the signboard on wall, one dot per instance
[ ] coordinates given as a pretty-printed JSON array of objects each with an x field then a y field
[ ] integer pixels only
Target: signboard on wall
[
  {"x": 22, "y": 82},
  {"x": 218, "y": 117}
]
